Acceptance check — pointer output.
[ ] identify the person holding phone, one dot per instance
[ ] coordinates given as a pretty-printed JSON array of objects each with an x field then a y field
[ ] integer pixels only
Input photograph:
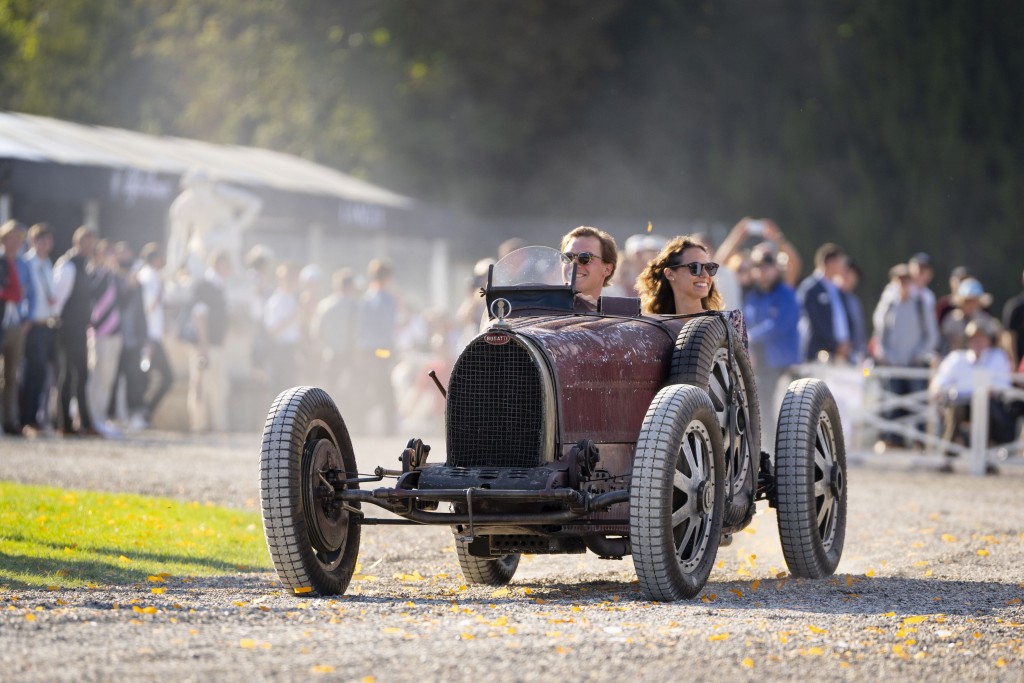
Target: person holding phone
[{"x": 762, "y": 230}]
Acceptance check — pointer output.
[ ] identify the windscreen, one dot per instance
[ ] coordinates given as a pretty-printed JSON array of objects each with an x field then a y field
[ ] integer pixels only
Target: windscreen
[{"x": 542, "y": 266}]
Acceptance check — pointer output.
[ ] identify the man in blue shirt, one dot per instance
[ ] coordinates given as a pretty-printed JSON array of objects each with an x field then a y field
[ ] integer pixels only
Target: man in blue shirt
[{"x": 772, "y": 315}]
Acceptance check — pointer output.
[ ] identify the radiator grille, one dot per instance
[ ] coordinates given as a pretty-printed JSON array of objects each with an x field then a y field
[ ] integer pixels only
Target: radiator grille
[{"x": 495, "y": 407}]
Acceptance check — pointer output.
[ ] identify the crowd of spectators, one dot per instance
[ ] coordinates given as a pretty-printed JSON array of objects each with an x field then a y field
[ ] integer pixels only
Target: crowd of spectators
[{"x": 84, "y": 340}]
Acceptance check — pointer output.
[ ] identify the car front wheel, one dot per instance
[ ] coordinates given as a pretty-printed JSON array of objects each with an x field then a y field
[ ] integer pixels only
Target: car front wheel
[
  {"x": 313, "y": 540},
  {"x": 677, "y": 494}
]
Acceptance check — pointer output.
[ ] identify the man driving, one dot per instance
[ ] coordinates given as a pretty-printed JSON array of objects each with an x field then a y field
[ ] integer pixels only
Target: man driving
[{"x": 595, "y": 254}]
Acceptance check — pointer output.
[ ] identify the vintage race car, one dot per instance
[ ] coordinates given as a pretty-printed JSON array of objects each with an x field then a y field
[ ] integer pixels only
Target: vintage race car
[{"x": 570, "y": 427}]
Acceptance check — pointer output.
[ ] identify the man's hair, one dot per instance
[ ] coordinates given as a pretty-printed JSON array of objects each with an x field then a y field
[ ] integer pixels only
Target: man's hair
[
  {"x": 342, "y": 279},
  {"x": 81, "y": 233},
  {"x": 826, "y": 253},
  {"x": 379, "y": 269},
  {"x": 10, "y": 227},
  {"x": 609, "y": 250},
  {"x": 39, "y": 231}
]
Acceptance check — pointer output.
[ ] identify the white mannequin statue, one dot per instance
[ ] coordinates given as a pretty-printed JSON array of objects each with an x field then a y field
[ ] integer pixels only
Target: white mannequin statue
[{"x": 207, "y": 215}]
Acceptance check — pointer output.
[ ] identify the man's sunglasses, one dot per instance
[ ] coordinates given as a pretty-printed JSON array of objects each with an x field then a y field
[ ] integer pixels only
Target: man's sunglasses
[
  {"x": 583, "y": 257},
  {"x": 696, "y": 267}
]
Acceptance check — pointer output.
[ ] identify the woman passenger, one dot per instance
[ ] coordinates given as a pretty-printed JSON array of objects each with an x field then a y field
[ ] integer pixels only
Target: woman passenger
[{"x": 679, "y": 280}]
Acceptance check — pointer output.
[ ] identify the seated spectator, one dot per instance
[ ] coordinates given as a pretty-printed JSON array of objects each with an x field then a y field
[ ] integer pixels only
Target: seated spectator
[
  {"x": 971, "y": 301},
  {"x": 953, "y": 384}
]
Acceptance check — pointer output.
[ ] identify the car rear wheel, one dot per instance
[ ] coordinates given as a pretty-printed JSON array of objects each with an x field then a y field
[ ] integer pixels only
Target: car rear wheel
[
  {"x": 489, "y": 571},
  {"x": 313, "y": 541},
  {"x": 677, "y": 494},
  {"x": 810, "y": 475},
  {"x": 701, "y": 358}
]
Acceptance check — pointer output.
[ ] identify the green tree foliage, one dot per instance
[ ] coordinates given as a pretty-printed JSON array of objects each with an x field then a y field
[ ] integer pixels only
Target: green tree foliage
[{"x": 889, "y": 127}]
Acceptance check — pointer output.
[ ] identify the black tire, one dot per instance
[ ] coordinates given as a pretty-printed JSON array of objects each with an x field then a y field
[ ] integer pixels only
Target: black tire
[
  {"x": 810, "y": 475},
  {"x": 489, "y": 571},
  {"x": 677, "y": 494},
  {"x": 313, "y": 546},
  {"x": 701, "y": 358}
]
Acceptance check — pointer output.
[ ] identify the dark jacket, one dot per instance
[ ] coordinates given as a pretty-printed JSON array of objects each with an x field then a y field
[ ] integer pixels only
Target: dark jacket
[{"x": 817, "y": 331}]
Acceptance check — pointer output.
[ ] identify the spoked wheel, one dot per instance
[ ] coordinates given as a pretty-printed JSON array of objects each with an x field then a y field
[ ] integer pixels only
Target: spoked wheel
[
  {"x": 677, "y": 494},
  {"x": 313, "y": 541},
  {"x": 810, "y": 474},
  {"x": 701, "y": 358},
  {"x": 489, "y": 571}
]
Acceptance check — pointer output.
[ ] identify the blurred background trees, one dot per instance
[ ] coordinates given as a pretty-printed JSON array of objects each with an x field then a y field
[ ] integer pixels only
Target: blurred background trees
[{"x": 887, "y": 127}]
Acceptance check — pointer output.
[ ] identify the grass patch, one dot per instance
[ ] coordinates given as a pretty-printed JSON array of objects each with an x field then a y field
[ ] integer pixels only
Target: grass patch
[{"x": 57, "y": 537}]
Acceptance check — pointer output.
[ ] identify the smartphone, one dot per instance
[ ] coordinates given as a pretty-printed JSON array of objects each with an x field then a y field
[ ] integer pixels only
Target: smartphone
[{"x": 755, "y": 227}]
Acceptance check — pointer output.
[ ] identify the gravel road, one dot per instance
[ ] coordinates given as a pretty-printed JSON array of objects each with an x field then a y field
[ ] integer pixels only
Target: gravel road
[{"x": 930, "y": 587}]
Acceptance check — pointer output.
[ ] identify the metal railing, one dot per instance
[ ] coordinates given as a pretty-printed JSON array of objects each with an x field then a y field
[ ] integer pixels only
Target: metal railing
[{"x": 867, "y": 407}]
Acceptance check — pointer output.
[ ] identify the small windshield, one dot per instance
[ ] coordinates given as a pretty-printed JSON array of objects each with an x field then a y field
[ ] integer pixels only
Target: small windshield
[{"x": 532, "y": 266}]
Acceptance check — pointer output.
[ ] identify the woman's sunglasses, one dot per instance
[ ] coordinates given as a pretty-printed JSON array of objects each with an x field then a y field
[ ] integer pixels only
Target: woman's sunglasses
[
  {"x": 583, "y": 257},
  {"x": 695, "y": 267}
]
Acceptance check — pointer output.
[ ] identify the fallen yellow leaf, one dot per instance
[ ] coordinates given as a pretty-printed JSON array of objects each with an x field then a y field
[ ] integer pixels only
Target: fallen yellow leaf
[
  {"x": 322, "y": 668},
  {"x": 719, "y": 636},
  {"x": 748, "y": 662}
]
